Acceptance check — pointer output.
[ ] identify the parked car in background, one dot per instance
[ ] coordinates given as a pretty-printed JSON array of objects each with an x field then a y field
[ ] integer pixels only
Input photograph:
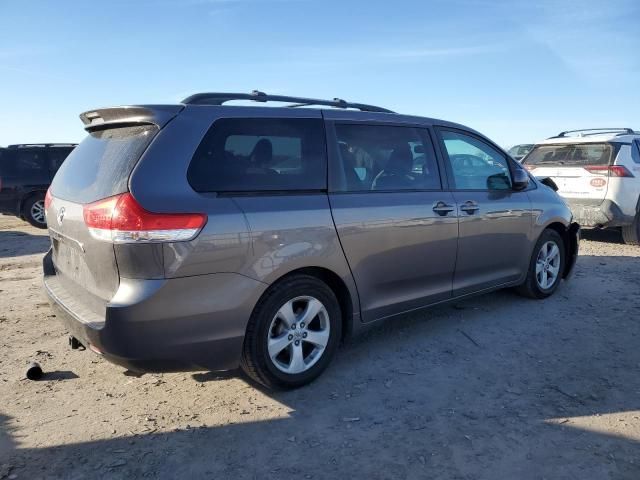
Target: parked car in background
[
  {"x": 210, "y": 236},
  {"x": 26, "y": 171},
  {"x": 598, "y": 172},
  {"x": 518, "y": 152}
]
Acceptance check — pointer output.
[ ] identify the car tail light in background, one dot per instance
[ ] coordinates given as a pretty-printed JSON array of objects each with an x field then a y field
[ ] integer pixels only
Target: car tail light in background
[
  {"x": 619, "y": 171},
  {"x": 47, "y": 199},
  {"x": 121, "y": 219},
  {"x": 531, "y": 168},
  {"x": 612, "y": 171}
]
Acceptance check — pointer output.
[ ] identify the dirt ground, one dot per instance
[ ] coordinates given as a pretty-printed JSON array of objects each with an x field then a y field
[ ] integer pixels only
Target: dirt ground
[{"x": 495, "y": 387}]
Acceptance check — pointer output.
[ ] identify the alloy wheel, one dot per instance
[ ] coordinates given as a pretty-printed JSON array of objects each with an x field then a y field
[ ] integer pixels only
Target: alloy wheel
[
  {"x": 548, "y": 265},
  {"x": 37, "y": 211},
  {"x": 298, "y": 335}
]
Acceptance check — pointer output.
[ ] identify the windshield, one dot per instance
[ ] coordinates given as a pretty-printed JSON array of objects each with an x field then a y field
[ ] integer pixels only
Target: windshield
[{"x": 571, "y": 154}]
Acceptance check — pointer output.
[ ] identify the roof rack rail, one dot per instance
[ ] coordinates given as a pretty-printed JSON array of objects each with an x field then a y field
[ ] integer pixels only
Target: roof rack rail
[
  {"x": 215, "y": 98},
  {"x": 45, "y": 145},
  {"x": 596, "y": 131}
]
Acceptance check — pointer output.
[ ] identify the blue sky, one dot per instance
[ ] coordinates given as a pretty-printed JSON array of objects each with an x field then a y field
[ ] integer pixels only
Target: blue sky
[{"x": 516, "y": 71}]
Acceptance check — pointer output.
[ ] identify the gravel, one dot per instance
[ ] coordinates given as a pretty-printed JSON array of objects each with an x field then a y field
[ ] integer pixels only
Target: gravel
[{"x": 492, "y": 387}]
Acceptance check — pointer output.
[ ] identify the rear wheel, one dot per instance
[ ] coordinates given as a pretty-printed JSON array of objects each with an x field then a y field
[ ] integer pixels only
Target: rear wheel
[
  {"x": 631, "y": 233},
  {"x": 33, "y": 211},
  {"x": 293, "y": 333},
  {"x": 546, "y": 266}
]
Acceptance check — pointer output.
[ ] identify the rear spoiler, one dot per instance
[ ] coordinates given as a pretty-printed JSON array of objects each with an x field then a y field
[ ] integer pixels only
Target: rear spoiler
[{"x": 158, "y": 115}]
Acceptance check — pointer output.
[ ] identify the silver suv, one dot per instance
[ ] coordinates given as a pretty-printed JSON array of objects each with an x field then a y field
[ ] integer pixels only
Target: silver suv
[{"x": 210, "y": 236}]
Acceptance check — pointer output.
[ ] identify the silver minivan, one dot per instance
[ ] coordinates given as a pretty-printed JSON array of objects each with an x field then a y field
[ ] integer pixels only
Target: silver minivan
[{"x": 210, "y": 236}]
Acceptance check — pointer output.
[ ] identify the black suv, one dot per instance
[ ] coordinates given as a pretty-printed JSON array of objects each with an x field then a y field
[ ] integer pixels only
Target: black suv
[{"x": 26, "y": 170}]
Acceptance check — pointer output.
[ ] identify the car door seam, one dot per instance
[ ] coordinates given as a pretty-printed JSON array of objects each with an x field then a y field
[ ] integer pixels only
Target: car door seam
[
  {"x": 246, "y": 224},
  {"x": 344, "y": 254}
]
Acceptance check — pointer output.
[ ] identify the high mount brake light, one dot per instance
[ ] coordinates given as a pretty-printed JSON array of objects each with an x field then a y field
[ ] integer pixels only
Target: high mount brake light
[
  {"x": 121, "y": 219},
  {"x": 613, "y": 170}
]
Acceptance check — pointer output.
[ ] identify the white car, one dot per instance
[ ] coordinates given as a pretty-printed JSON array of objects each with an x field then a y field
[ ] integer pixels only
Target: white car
[{"x": 597, "y": 171}]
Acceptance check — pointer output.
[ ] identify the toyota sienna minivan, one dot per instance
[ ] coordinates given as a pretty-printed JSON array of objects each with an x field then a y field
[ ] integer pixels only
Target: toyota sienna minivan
[{"x": 211, "y": 235}]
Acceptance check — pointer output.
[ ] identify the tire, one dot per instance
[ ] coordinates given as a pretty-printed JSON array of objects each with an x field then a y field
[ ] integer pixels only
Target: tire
[
  {"x": 281, "y": 369},
  {"x": 631, "y": 233},
  {"x": 33, "y": 210},
  {"x": 533, "y": 287}
]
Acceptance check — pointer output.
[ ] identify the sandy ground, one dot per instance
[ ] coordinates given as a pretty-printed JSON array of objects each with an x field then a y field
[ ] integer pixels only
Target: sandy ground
[{"x": 495, "y": 387}]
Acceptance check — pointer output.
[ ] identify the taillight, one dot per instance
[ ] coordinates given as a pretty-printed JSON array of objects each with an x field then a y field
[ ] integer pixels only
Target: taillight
[
  {"x": 531, "y": 168},
  {"x": 120, "y": 219},
  {"x": 612, "y": 171},
  {"x": 47, "y": 199},
  {"x": 619, "y": 171}
]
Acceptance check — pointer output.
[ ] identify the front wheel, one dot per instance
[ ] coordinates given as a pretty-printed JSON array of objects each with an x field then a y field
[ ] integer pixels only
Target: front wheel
[
  {"x": 293, "y": 333},
  {"x": 33, "y": 211},
  {"x": 546, "y": 266}
]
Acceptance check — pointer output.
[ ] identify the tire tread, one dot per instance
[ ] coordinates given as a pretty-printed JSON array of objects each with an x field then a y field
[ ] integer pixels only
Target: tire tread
[{"x": 631, "y": 233}]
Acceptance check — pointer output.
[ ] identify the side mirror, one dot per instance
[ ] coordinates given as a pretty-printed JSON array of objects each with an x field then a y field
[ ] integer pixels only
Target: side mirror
[
  {"x": 499, "y": 181},
  {"x": 520, "y": 179},
  {"x": 549, "y": 183}
]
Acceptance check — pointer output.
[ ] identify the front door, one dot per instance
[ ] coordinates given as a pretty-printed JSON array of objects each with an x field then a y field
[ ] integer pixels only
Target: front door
[
  {"x": 495, "y": 221},
  {"x": 396, "y": 225}
]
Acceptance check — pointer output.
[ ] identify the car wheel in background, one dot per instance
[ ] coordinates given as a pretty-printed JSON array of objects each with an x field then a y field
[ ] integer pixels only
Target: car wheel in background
[
  {"x": 33, "y": 211},
  {"x": 631, "y": 233},
  {"x": 293, "y": 333},
  {"x": 546, "y": 266}
]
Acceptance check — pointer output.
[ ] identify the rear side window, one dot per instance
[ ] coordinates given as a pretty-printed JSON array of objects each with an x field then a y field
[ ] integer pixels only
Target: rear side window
[
  {"x": 260, "y": 154},
  {"x": 575, "y": 155},
  {"x": 29, "y": 163},
  {"x": 100, "y": 166},
  {"x": 377, "y": 157},
  {"x": 635, "y": 151},
  {"x": 6, "y": 162}
]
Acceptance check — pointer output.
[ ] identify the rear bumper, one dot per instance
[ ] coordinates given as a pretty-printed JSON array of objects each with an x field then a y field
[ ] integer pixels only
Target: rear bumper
[
  {"x": 192, "y": 323},
  {"x": 600, "y": 213}
]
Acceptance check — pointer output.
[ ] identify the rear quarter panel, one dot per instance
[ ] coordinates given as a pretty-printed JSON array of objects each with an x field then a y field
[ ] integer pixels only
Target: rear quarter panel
[
  {"x": 291, "y": 232},
  {"x": 262, "y": 237},
  {"x": 159, "y": 183}
]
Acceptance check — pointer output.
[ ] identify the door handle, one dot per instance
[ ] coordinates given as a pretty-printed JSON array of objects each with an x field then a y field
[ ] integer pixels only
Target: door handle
[
  {"x": 470, "y": 207},
  {"x": 441, "y": 208}
]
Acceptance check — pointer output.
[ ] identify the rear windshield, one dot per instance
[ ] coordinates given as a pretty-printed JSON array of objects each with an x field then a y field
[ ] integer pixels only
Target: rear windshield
[
  {"x": 571, "y": 154},
  {"x": 520, "y": 150},
  {"x": 100, "y": 166}
]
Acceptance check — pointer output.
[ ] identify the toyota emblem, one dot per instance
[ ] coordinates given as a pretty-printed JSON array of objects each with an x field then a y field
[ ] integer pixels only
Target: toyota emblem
[{"x": 60, "y": 215}]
